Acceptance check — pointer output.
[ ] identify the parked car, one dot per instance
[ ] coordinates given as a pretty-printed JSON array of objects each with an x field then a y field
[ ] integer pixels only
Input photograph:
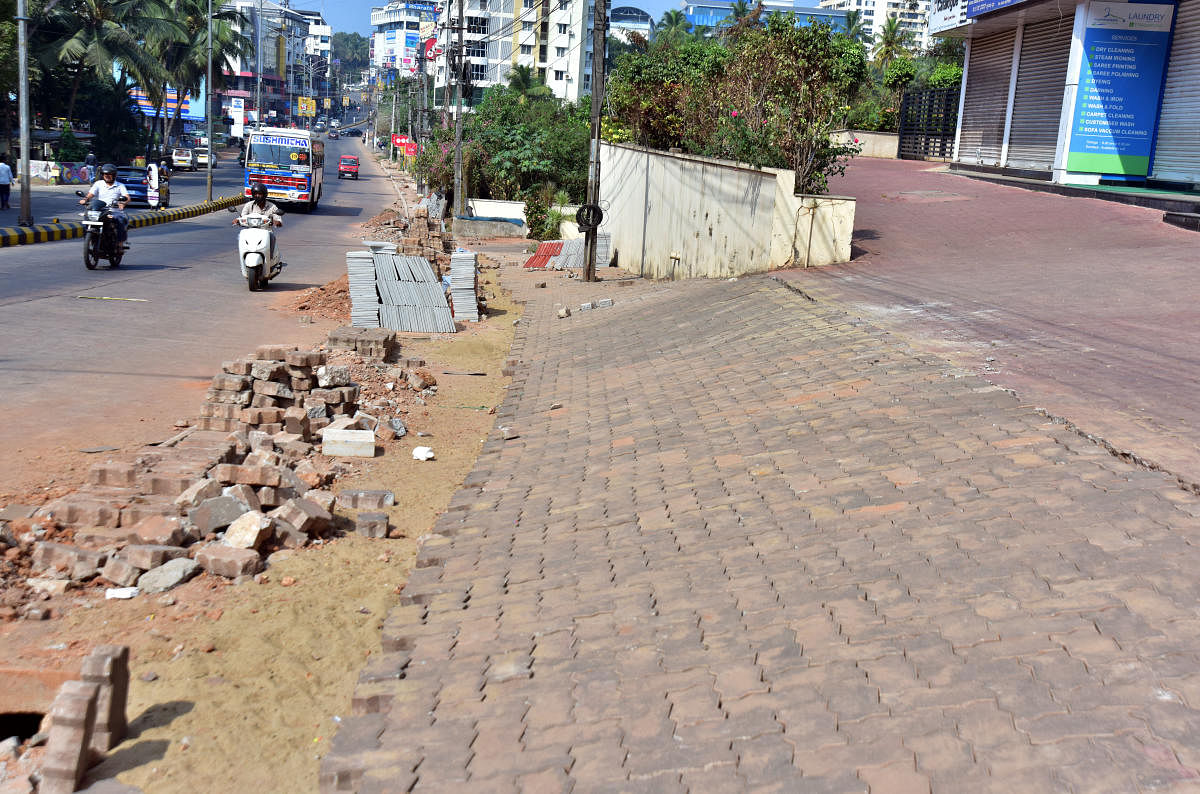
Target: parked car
[
  {"x": 348, "y": 166},
  {"x": 183, "y": 159},
  {"x": 146, "y": 185},
  {"x": 333, "y": 135},
  {"x": 354, "y": 132},
  {"x": 201, "y": 153}
]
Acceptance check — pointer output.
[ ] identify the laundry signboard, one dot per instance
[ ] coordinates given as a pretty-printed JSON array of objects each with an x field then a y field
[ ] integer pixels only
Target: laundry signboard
[{"x": 1125, "y": 48}]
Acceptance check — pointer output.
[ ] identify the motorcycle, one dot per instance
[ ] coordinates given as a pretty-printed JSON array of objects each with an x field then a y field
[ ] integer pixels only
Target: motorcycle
[
  {"x": 100, "y": 235},
  {"x": 259, "y": 259}
]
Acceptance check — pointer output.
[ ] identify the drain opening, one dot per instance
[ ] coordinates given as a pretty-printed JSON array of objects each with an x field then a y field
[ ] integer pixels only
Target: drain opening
[{"x": 22, "y": 724}]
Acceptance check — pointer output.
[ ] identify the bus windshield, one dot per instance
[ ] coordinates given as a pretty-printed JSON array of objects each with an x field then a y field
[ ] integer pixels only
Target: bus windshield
[{"x": 283, "y": 153}]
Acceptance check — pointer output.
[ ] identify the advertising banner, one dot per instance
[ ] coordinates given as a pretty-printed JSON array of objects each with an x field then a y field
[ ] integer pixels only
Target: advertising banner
[
  {"x": 1120, "y": 87},
  {"x": 946, "y": 14},
  {"x": 977, "y": 7},
  {"x": 191, "y": 111},
  {"x": 237, "y": 110}
]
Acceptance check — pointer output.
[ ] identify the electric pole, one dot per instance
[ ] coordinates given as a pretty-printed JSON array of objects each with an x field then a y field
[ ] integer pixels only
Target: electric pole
[
  {"x": 208, "y": 95},
  {"x": 258, "y": 34},
  {"x": 25, "y": 218},
  {"x": 459, "y": 202},
  {"x": 392, "y": 128},
  {"x": 599, "y": 50}
]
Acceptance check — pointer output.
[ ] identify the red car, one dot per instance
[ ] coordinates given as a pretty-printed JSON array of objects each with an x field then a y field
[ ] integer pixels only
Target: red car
[{"x": 348, "y": 166}]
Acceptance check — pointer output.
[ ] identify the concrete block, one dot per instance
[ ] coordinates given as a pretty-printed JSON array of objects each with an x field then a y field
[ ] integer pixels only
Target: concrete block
[
  {"x": 107, "y": 667},
  {"x": 229, "y": 562},
  {"x": 264, "y": 401},
  {"x": 232, "y": 397},
  {"x": 243, "y": 493},
  {"x": 295, "y": 420},
  {"x": 134, "y": 512},
  {"x": 213, "y": 423},
  {"x": 78, "y": 509},
  {"x": 160, "y": 531},
  {"x": 116, "y": 474},
  {"x": 332, "y": 375},
  {"x": 305, "y": 358},
  {"x": 288, "y": 536},
  {"x": 150, "y": 556},
  {"x": 268, "y": 370},
  {"x": 249, "y": 531},
  {"x": 69, "y": 746},
  {"x": 219, "y": 410},
  {"x": 239, "y": 367},
  {"x": 308, "y": 474},
  {"x": 260, "y": 416},
  {"x": 216, "y": 513},
  {"x": 120, "y": 572},
  {"x": 272, "y": 352},
  {"x": 169, "y": 574},
  {"x": 231, "y": 473},
  {"x": 366, "y": 500},
  {"x": 323, "y": 498},
  {"x": 105, "y": 537},
  {"x": 302, "y": 384},
  {"x": 308, "y": 517},
  {"x": 67, "y": 561},
  {"x": 372, "y": 525},
  {"x": 273, "y": 389},
  {"x": 197, "y": 492},
  {"x": 227, "y": 382},
  {"x": 348, "y": 443}
]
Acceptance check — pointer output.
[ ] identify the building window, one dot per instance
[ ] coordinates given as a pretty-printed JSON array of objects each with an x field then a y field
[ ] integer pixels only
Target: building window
[
  {"x": 478, "y": 72},
  {"x": 560, "y": 52},
  {"x": 527, "y": 49},
  {"x": 477, "y": 25},
  {"x": 562, "y": 28},
  {"x": 527, "y": 26},
  {"x": 476, "y": 49},
  {"x": 483, "y": 5},
  {"x": 563, "y": 4},
  {"x": 559, "y": 74}
]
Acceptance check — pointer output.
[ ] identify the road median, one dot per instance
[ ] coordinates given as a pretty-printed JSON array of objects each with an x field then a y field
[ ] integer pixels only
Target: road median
[{"x": 50, "y": 232}]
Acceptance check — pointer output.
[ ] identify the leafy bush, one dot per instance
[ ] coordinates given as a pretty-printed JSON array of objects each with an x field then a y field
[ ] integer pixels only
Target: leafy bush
[{"x": 945, "y": 75}]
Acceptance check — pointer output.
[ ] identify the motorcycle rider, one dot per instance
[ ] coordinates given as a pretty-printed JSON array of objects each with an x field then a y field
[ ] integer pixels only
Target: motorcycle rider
[
  {"x": 259, "y": 205},
  {"x": 115, "y": 195}
]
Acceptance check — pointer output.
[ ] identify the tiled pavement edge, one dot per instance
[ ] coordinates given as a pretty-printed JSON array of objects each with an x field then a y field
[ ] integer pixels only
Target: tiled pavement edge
[{"x": 760, "y": 547}]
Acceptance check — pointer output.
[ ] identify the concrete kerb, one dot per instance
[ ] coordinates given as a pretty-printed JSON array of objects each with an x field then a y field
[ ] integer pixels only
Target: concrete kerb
[{"x": 50, "y": 232}]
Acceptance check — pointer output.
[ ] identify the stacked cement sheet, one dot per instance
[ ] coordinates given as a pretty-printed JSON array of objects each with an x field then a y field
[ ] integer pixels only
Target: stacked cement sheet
[
  {"x": 411, "y": 297},
  {"x": 364, "y": 300},
  {"x": 574, "y": 253},
  {"x": 401, "y": 293},
  {"x": 464, "y": 286}
]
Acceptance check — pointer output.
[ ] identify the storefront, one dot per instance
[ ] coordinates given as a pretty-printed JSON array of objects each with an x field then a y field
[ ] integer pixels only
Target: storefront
[{"x": 1098, "y": 91}]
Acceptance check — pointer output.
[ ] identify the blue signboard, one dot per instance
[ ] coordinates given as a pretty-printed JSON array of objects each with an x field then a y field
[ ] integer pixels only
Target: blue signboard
[
  {"x": 1125, "y": 49},
  {"x": 978, "y": 7}
]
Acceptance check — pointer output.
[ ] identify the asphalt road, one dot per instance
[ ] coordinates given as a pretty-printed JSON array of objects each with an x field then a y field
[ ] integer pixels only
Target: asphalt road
[{"x": 79, "y": 372}]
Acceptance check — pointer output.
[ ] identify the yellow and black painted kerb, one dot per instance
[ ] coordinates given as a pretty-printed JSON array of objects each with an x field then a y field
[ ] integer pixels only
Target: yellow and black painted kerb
[{"x": 49, "y": 232}]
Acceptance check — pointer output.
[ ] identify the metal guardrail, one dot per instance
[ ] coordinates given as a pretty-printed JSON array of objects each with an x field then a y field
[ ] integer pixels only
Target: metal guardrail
[{"x": 51, "y": 232}]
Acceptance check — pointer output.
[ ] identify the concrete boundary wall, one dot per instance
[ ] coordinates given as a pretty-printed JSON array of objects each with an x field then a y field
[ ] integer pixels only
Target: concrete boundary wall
[
  {"x": 676, "y": 216},
  {"x": 49, "y": 232}
]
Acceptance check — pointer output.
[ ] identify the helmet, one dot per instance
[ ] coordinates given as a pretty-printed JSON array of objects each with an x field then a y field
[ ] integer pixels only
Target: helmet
[
  {"x": 258, "y": 190},
  {"x": 108, "y": 168}
]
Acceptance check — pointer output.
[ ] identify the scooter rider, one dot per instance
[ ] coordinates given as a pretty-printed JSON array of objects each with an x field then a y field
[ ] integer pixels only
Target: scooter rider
[
  {"x": 259, "y": 205},
  {"x": 115, "y": 195}
]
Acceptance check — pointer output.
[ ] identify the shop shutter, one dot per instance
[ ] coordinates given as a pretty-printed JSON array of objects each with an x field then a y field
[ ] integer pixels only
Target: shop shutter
[
  {"x": 986, "y": 99},
  {"x": 1037, "y": 104},
  {"x": 1177, "y": 148}
]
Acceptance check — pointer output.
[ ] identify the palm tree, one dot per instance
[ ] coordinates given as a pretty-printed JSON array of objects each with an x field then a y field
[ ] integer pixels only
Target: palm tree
[
  {"x": 738, "y": 10},
  {"x": 525, "y": 82},
  {"x": 98, "y": 34},
  {"x": 701, "y": 32},
  {"x": 856, "y": 26},
  {"x": 673, "y": 27},
  {"x": 186, "y": 58},
  {"x": 891, "y": 42}
]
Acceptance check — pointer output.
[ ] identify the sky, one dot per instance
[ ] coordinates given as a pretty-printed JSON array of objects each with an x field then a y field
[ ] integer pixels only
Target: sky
[{"x": 354, "y": 16}]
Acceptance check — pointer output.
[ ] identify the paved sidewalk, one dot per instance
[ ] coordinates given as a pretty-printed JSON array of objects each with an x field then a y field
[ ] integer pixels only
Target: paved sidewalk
[{"x": 764, "y": 547}]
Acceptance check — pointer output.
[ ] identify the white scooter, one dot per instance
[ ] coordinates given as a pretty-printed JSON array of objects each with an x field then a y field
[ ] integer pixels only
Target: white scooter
[{"x": 259, "y": 258}]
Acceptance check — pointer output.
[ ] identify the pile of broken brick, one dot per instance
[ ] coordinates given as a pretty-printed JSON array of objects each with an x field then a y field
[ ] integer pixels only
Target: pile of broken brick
[{"x": 245, "y": 480}]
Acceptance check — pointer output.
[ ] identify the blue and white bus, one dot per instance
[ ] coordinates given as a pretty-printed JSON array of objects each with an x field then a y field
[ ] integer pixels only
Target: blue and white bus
[{"x": 291, "y": 163}]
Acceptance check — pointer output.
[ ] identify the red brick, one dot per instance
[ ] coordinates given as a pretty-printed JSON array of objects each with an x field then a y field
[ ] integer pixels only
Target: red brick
[
  {"x": 120, "y": 572},
  {"x": 272, "y": 352},
  {"x": 303, "y": 514},
  {"x": 226, "y": 382},
  {"x": 146, "y": 556},
  {"x": 304, "y": 358},
  {"x": 160, "y": 530},
  {"x": 229, "y": 562},
  {"x": 249, "y": 475},
  {"x": 259, "y": 416},
  {"x": 120, "y": 475}
]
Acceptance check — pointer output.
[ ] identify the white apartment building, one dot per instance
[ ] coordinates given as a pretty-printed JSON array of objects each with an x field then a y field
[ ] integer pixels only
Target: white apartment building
[
  {"x": 552, "y": 37},
  {"x": 911, "y": 13},
  {"x": 278, "y": 69}
]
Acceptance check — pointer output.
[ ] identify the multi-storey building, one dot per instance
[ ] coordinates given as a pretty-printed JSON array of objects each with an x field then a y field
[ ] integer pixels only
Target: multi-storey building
[
  {"x": 625, "y": 20},
  {"x": 402, "y": 28},
  {"x": 874, "y": 13},
  {"x": 278, "y": 69},
  {"x": 712, "y": 14}
]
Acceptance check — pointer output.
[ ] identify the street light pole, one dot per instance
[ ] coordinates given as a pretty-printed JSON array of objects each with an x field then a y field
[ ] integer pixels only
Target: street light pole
[
  {"x": 208, "y": 95},
  {"x": 25, "y": 217}
]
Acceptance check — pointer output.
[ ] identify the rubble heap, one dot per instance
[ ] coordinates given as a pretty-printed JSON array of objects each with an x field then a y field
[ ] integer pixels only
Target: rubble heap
[{"x": 222, "y": 496}]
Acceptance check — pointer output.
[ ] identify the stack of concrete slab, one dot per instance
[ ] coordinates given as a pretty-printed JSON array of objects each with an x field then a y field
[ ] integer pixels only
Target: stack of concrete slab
[
  {"x": 411, "y": 295},
  {"x": 464, "y": 285},
  {"x": 364, "y": 300},
  {"x": 573, "y": 253}
]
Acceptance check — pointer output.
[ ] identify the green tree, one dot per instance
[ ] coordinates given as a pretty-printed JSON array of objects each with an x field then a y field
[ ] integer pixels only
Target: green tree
[
  {"x": 738, "y": 10},
  {"x": 95, "y": 35},
  {"x": 891, "y": 42},
  {"x": 898, "y": 74},
  {"x": 673, "y": 27},
  {"x": 945, "y": 75},
  {"x": 856, "y": 26},
  {"x": 527, "y": 84}
]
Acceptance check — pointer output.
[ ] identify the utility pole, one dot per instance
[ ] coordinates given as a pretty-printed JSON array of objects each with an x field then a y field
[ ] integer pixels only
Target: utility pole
[
  {"x": 599, "y": 41},
  {"x": 258, "y": 34},
  {"x": 25, "y": 218},
  {"x": 459, "y": 202},
  {"x": 208, "y": 95},
  {"x": 392, "y": 128}
]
